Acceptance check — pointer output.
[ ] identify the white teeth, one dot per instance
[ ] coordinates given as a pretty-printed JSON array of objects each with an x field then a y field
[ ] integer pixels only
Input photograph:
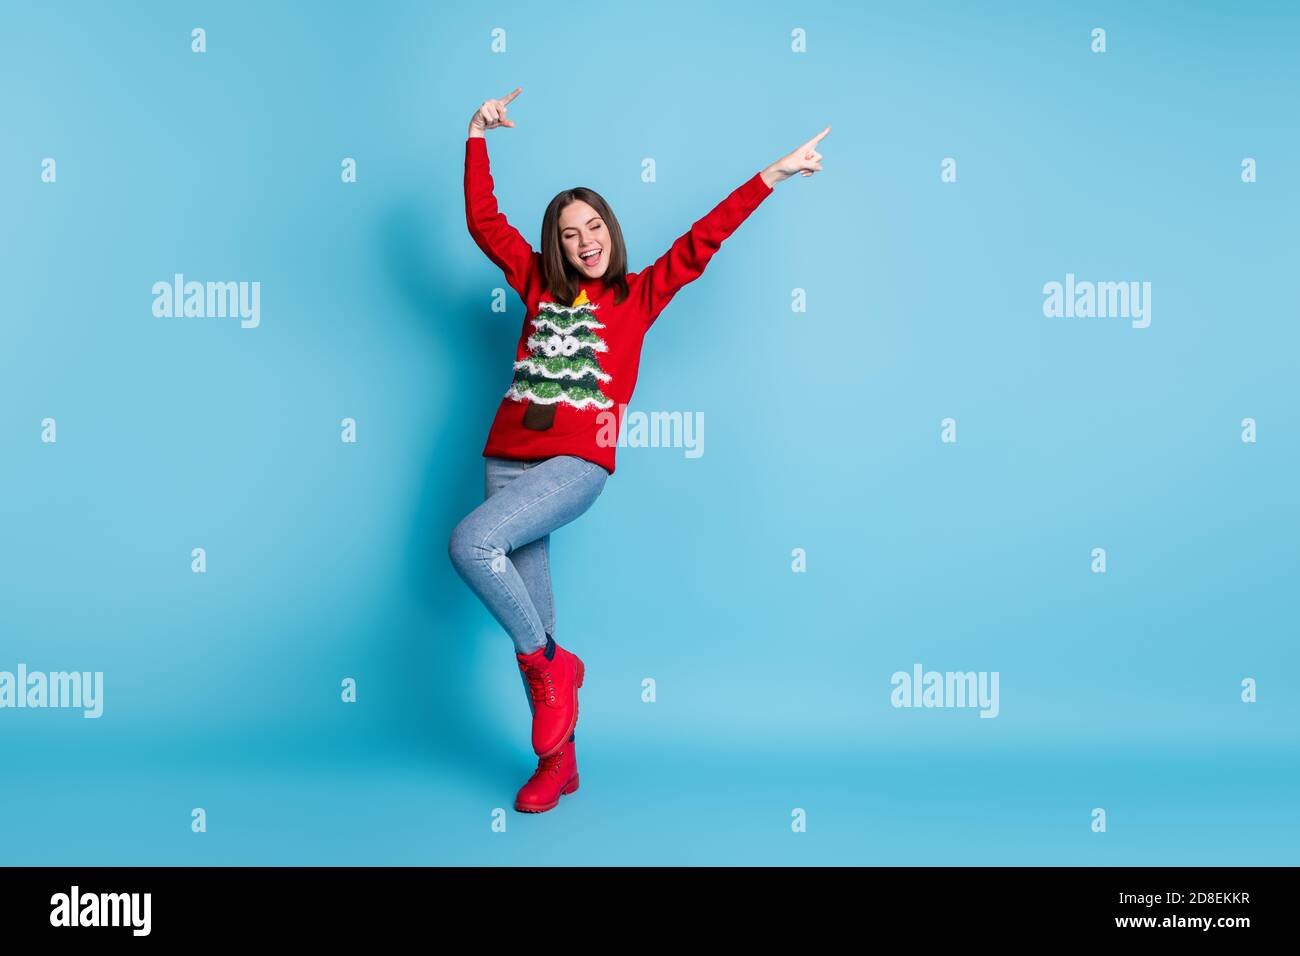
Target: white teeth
[{"x": 591, "y": 255}]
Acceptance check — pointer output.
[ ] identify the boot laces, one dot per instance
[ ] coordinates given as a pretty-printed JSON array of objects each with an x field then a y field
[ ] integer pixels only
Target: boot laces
[
  {"x": 549, "y": 764},
  {"x": 539, "y": 683}
]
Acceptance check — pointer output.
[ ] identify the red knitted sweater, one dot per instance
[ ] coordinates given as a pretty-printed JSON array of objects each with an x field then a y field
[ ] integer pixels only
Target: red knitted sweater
[{"x": 581, "y": 357}]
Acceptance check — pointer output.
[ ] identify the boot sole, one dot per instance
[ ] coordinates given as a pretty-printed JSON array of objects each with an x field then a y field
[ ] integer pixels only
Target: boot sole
[
  {"x": 582, "y": 672},
  {"x": 569, "y": 787}
]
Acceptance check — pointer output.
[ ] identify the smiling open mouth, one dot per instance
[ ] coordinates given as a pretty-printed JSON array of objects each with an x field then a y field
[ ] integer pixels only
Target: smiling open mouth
[{"x": 591, "y": 258}]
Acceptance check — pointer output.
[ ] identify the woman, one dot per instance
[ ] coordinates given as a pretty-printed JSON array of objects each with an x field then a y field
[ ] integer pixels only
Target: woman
[{"x": 551, "y": 446}]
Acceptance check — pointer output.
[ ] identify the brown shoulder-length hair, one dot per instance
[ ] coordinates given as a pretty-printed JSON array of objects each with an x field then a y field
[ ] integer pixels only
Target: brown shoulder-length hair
[{"x": 561, "y": 278}]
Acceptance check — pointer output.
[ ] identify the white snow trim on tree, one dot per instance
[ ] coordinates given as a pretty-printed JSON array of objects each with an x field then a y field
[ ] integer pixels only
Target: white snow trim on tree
[
  {"x": 556, "y": 307},
  {"x": 541, "y": 323},
  {"x": 519, "y": 396},
  {"x": 538, "y": 369}
]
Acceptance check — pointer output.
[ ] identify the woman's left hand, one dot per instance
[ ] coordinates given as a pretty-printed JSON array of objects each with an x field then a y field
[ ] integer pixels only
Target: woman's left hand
[{"x": 805, "y": 160}]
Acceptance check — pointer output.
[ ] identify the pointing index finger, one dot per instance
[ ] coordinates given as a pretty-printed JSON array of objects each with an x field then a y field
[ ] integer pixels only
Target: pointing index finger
[
  {"x": 818, "y": 138},
  {"x": 510, "y": 96}
]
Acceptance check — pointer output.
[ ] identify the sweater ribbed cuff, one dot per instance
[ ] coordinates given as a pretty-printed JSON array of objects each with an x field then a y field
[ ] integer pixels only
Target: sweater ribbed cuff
[{"x": 752, "y": 193}]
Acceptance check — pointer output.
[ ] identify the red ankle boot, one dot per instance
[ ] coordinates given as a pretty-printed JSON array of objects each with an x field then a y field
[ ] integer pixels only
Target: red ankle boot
[
  {"x": 553, "y": 681},
  {"x": 555, "y": 775}
]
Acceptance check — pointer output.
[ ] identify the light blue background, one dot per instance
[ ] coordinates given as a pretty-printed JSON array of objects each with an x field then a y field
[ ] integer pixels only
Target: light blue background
[{"x": 328, "y": 560}]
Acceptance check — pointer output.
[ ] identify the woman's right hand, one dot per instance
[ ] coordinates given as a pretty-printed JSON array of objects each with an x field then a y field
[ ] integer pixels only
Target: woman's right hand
[{"x": 492, "y": 114}]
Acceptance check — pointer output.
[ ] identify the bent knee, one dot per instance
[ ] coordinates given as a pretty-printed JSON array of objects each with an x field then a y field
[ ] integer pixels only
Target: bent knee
[
  {"x": 468, "y": 544},
  {"x": 459, "y": 545}
]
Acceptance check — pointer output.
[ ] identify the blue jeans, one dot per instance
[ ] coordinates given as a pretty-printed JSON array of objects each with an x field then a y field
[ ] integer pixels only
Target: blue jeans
[{"x": 501, "y": 548}]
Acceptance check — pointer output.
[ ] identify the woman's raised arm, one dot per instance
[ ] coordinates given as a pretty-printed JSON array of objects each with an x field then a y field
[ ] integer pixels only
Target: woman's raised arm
[
  {"x": 499, "y": 240},
  {"x": 686, "y": 258}
]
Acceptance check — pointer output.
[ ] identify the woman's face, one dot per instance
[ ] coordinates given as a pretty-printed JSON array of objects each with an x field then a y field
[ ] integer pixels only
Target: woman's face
[{"x": 583, "y": 233}]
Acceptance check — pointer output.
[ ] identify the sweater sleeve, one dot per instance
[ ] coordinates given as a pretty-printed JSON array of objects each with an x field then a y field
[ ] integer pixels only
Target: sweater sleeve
[
  {"x": 500, "y": 241},
  {"x": 690, "y": 253}
]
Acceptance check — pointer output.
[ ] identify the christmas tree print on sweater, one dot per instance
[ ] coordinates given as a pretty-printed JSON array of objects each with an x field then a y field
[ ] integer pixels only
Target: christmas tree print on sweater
[{"x": 563, "y": 364}]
